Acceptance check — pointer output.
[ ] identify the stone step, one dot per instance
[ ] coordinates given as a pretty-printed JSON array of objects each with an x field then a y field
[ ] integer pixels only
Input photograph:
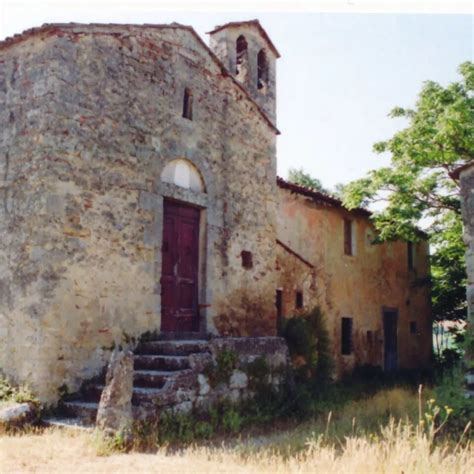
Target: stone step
[
  {"x": 67, "y": 423},
  {"x": 147, "y": 395},
  {"x": 92, "y": 392},
  {"x": 85, "y": 411},
  {"x": 152, "y": 378},
  {"x": 183, "y": 348},
  {"x": 177, "y": 336},
  {"x": 161, "y": 362}
]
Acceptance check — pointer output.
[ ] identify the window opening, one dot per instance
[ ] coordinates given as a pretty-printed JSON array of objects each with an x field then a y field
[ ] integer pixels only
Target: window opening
[
  {"x": 188, "y": 104},
  {"x": 241, "y": 50},
  {"x": 346, "y": 336},
  {"x": 262, "y": 69},
  {"x": 410, "y": 253},
  {"x": 299, "y": 300},
  {"x": 247, "y": 261},
  {"x": 347, "y": 236}
]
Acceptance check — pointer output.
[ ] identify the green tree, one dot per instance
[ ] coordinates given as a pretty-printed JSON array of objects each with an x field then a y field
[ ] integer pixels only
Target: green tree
[
  {"x": 418, "y": 189},
  {"x": 299, "y": 176}
]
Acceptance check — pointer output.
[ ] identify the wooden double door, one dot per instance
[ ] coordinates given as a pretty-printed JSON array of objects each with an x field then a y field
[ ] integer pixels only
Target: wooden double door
[{"x": 179, "y": 271}]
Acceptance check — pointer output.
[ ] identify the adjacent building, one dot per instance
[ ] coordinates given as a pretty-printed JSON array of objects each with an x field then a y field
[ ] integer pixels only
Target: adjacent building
[{"x": 375, "y": 296}]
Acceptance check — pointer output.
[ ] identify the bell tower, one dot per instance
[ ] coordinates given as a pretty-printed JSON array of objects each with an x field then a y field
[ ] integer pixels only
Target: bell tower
[{"x": 247, "y": 52}]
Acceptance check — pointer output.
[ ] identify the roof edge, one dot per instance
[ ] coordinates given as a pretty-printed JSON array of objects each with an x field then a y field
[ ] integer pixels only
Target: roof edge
[{"x": 319, "y": 196}]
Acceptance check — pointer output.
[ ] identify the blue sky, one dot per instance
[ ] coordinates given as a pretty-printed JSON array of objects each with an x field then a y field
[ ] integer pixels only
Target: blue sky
[{"x": 339, "y": 75}]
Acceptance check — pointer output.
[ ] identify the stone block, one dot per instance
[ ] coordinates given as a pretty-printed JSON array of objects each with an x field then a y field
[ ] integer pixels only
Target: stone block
[
  {"x": 204, "y": 386},
  {"x": 16, "y": 415},
  {"x": 238, "y": 379}
]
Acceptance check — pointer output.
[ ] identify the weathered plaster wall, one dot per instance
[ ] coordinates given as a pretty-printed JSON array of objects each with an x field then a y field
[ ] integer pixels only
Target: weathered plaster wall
[
  {"x": 467, "y": 200},
  {"x": 356, "y": 286},
  {"x": 90, "y": 115}
]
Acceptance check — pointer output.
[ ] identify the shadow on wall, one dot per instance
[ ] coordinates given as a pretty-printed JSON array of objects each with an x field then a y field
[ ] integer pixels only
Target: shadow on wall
[{"x": 245, "y": 313}]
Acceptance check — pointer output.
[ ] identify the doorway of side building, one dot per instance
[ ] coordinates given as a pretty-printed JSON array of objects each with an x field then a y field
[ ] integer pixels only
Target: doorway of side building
[
  {"x": 390, "y": 331},
  {"x": 179, "y": 269}
]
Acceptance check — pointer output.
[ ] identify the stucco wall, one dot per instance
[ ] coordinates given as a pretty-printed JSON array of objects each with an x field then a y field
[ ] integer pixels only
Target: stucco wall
[
  {"x": 358, "y": 286},
  {"x": 90, "y": 116}
]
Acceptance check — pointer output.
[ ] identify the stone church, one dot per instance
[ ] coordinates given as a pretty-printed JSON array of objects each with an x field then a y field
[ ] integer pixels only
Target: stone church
[{"x": 139, "y": 196}]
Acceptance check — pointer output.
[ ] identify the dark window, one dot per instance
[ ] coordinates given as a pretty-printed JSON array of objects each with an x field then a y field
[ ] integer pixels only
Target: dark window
[
  {"x": 279, "y": 303},
  {"x": 188, "y": 104},
  {"x": 410, "y": 255},
  {"x": 262, "y": 69},
  {"x": 241, "y": 50},
  {"x": 299, "y": 300},
  {"x": 370, "y": 338},
  {"x": 346, "y": 336},
  {"x": 347, "y": 236},
  {"x": 413, "y": 329},
  {"x": 247, "y": 261},
  {"x": 279, "y": 307}
]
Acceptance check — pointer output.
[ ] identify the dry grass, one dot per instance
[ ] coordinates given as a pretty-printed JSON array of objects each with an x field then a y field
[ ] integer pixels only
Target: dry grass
[
  {"x": 397, "y": 447},
  {"x": 398, "y": 450}
]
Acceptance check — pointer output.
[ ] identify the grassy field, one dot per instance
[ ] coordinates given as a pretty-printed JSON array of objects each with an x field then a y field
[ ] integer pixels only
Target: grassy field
[{"x": 379, "y": 434}]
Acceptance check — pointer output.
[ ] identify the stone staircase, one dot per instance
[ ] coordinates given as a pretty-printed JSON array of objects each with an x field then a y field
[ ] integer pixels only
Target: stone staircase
[{"x": 164, "y": 370}]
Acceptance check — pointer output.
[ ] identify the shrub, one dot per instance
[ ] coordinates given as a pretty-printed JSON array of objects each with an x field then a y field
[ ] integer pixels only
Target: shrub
[
  {"x": 449, "y": 393},
  {"x": 307, "y": 336},
  {"x": 220, "y": 372},
  {"x": 16, "y": 394},
  {"x": 231, "y": 420}
]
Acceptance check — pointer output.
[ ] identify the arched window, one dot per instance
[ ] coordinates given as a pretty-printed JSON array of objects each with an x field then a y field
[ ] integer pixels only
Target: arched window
[
  {"x": 184, "y": 174},
  {"x": 188, "y": 104},
  {"x": 241, "y": 50},
  {"x": 262, "y": 69}
]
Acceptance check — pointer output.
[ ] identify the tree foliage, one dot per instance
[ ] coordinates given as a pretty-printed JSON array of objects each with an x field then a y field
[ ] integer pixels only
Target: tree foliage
[
  {"x": 301, "y": 177},
  {"x": 418, "y": 189}
]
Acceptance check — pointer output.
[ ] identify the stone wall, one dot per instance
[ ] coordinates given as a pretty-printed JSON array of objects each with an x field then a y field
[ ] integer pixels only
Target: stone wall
[
  {"x": 357, "y": 286},
  {"x": 467, "y": 201},
  {"x": 90, "y": 116}
]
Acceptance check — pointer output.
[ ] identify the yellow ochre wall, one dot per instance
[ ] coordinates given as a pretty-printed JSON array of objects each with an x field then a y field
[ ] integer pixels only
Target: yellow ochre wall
[{"x": 357, "y": 286}]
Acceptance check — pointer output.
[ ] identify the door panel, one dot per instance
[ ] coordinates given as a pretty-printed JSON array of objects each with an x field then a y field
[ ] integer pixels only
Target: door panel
[
  {"x": 390, "y": 329},
  {"x": 180, "y": 258}
]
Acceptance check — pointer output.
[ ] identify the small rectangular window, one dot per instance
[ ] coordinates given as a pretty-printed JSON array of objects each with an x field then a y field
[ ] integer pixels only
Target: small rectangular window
[
  {"x": 279, "y": 303},
  {"x": 299, "y": 300},
  {"x": 247, "y": 260},
  {"x": 370, "y": 339},
  {"x": 279, "y": 308},
  {"x": 346, "y": 336},
  {"x": 347, "y": 236},
  {"x": 410, "y": 254},
  {"x": 188, "y": 104},
  {"x": 413, "y": 328}
]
